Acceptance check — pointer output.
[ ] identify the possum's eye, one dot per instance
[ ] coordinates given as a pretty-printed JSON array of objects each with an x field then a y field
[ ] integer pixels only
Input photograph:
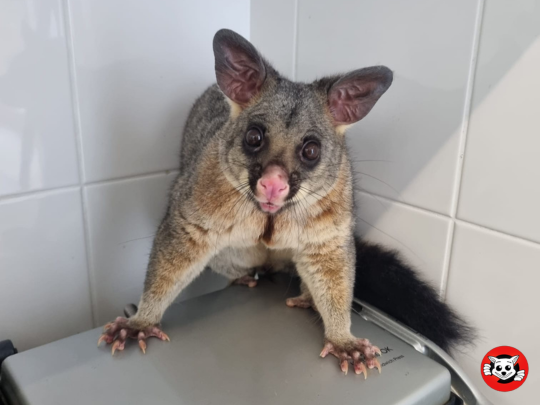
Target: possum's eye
[
  {"x": 508, "y": 368},
  {"x": 499, "y": 368},
  {"x": 254, "y": 138},
  {"x": 311, "y": 151}
]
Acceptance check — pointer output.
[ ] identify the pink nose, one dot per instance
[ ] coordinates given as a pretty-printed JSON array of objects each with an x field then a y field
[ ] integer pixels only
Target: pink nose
[{"x": 274, "y": 184}]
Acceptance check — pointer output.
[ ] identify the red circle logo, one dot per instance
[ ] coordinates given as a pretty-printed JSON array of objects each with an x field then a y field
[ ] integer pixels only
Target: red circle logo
[{"x": 504, "y": 368}]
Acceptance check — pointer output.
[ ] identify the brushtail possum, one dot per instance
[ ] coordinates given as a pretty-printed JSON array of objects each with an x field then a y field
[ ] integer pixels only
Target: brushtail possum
[{"x": 265, "y": 180}]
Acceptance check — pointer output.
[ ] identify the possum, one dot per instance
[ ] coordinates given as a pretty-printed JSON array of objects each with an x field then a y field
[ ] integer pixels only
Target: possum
[{"x": 265, "y": 181}]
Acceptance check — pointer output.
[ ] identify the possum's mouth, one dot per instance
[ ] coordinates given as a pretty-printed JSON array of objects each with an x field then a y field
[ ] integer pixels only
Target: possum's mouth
[{"x": 270, "y": 207}]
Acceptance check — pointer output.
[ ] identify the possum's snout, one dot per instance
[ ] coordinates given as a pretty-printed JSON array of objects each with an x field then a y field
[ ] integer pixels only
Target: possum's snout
[{"x": 272, "y": 188}]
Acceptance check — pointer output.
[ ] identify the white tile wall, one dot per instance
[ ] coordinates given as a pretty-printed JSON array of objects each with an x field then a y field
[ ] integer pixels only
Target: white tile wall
[
  {"x": 501, "y": 173},
  {"x": 44, "y": 292},
  {"x": 494, "y": 279},
  {"x": 37, "y": 143},
  {"x": 139, "y": 68},
  {"x": 415, "y": 126},
  {"x": 101, "y": 88},
  {"x": 272, "y": 30}
]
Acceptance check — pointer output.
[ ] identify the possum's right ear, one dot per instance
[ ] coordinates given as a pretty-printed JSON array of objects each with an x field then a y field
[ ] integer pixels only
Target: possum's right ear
[
  {"x": 493, "y": 359},
  {"x": 240, "y": 70}
]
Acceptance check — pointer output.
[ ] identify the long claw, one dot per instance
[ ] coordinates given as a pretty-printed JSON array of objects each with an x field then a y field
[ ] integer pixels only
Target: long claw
[
  {"x": 344, "y": 366},
  {"x": 378, "y": 365},
  {"x": 107, "y": 326},
  {"x": 326, "y": 349},
  {"x": 378, "y": 351},
  {"x": 165, "y": 337},
  {"x": 360, "y": 368},
  {"x": 115, "y": 346},
  {"x": 101, "y": 339},
  {"x": 142, "y": 345}
]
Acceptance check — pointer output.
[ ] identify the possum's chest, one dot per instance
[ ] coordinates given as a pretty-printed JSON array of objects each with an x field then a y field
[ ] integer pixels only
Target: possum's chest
[
  {"x": 282, "y": 232},
  {"x": 263, "y": 229}
]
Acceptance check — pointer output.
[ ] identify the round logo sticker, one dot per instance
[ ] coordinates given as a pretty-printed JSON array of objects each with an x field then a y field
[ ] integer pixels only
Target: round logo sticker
[{"x": 504, "y": 368}]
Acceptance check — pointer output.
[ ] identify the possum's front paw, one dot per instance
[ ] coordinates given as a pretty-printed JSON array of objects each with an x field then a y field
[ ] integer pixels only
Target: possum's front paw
[
  {"x": 356, "y": 351},
  {"x": 120, "y": 330}
]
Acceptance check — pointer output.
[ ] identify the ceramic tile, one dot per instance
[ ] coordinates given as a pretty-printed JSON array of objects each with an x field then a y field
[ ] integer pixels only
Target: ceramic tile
[
  {"x": 37, "y": 142},
  {"x": 493, "y": 281},
  {"x": 408, "y": 144},
  {"x": 44, "y": 294},
  {"x": 419, "y": 236},
  {"x": 272, "y": 32},
  {"x": 501, "y": 170},
  {"x": 123, "y": 217},
  {"x": 139, "y": 73}
]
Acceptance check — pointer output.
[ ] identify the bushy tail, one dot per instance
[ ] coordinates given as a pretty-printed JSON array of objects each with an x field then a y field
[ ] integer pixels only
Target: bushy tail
[{"x": 385, "y": 281}]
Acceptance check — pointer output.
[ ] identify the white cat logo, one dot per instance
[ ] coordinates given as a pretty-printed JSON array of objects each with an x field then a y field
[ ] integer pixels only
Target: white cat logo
[{"x": 504, "y": 369}]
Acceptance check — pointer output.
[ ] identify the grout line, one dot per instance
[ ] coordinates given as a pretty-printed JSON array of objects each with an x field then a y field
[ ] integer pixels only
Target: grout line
[
  {"x": 486, "y": 228},
  {"x": 467, "y": 108},
  {"x": 463, "y": 142},
  {"x": 132, "y": 177},
  {"x": 38, "y": 193},
  {"x": 453, "y": 221},
  {"x": 446, "y": 259},
  {"x": 80, "y": 159},
  {"x": 55, "y": 190},
  {"x": 405, "y": 204},
  {"x": 295, "y": 41}
]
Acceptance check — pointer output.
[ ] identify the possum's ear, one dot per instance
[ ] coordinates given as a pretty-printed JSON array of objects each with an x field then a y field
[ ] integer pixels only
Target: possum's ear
[
  {"x": 514, "y": 359},
  {"x": 240, "y": 70},
  {"x": 493, "y": 359},
  {"x": 353, "y": 96}
]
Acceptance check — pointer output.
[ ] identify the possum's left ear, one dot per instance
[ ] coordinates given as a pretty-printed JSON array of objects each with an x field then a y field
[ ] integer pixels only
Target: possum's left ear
[
  {"x": 493, "y": 359},
  {"x": 353, "y": 96},
  {"x": 514, "y": 359}
]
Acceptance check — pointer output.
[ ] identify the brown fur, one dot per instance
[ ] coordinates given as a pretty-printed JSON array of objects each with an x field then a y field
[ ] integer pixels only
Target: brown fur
[{"x": 213, "y": 218}]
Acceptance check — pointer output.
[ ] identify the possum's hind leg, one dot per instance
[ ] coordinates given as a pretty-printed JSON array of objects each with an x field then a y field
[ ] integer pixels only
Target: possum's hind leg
[
  {"x": 304, "y": 300},
  {"x": 248, "y": 280}
]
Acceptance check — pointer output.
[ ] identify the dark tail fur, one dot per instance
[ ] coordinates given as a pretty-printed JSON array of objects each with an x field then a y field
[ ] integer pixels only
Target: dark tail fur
[{"x": 385, "y": 281}]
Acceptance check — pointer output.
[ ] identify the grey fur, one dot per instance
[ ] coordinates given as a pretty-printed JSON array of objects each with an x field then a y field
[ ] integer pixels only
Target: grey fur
[{"x": 290, "y": 114}]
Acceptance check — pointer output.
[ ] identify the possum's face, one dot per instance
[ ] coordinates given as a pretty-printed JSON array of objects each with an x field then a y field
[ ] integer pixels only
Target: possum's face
[
  {"x": 284, "y": 143},
  {"x": 503, "y": 368},
  {"x": 284, "y": 149}
]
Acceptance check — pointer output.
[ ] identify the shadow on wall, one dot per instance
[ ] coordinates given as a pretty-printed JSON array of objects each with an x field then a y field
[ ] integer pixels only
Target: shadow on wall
[{"x": 393, "y": 179}]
